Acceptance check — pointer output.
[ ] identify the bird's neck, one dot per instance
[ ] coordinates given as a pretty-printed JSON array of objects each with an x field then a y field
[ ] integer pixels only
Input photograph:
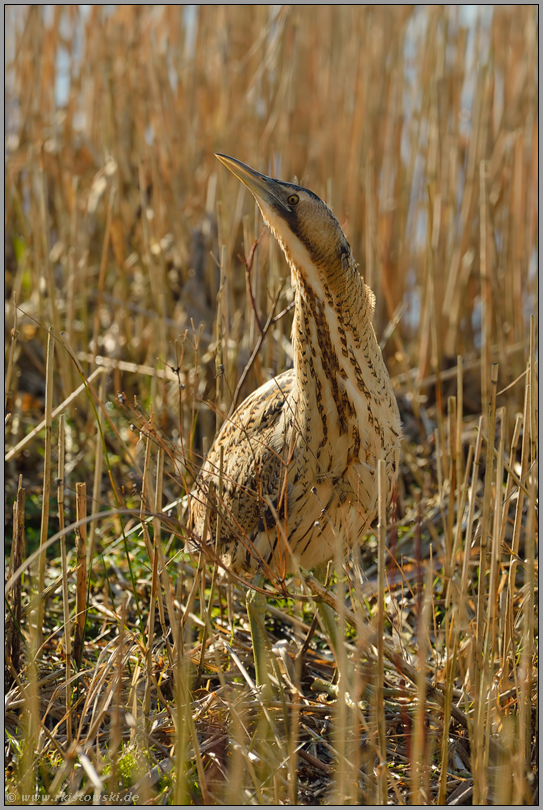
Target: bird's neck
[
  {"x": 332, "y": 332},
  {"x": 344, "y": 393}
]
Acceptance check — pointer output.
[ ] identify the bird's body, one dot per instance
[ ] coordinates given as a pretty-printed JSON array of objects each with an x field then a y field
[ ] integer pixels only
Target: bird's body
[{"x": 299, "y": 455}]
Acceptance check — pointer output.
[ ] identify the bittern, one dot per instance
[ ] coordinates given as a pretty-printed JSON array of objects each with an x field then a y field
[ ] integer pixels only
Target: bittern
[{"x": 293, "y": 472}]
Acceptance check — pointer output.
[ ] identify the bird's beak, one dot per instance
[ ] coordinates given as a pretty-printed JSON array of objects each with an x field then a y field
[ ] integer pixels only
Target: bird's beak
[{"x": 263, "y": 188}]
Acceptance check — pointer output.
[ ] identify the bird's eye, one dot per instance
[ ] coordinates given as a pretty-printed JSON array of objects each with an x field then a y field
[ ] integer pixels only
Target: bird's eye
[{"x": 293, "y": 199}]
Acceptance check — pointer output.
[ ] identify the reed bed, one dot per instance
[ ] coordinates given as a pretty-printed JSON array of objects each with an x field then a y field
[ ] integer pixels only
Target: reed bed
[{"x": 144, "y": 299}]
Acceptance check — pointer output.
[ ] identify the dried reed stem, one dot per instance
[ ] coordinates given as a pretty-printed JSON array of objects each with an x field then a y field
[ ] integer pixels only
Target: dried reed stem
[
  {"x": 64, "y": 562},
  {"x": 11, "y": 356},
  {"x": 418, "y": 736},
  {"x": 81, "y": 559},
  {"x": 98, "y": 465},
  {"x": 42, "y": 560},
  {"x": 13, "y": 619},
  {"x": 379, "y": 696},
  {"x": 481, "y": 673}
]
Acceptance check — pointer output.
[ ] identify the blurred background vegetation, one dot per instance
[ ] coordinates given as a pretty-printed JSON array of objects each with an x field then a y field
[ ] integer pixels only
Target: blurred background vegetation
[
  {"x": 417, "y": 124},
  {"x": 121, "y": 227}
]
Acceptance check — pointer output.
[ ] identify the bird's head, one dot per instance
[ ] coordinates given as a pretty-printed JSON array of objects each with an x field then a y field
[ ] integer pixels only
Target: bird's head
[{"x": 308, "y": 232}]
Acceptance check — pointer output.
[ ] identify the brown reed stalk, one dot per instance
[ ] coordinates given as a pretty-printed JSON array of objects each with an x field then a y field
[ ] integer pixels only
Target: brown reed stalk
[
  {"x": 489, "y": 642},
  {"x": 13, "y": 634},
  {"x": 207, "y": 631},
  {"x": 485, "y": 519},
  {"x": 459, "y": 417},
  {"x": 61, "y": 473},
  {"x": 81, "y": 560},
  {"x": 528, "y": 648},
  {"x": 469, "y": 537},
  {"x": 379, "y": 691},
  {"x": 182, "y": 706},
  {"x": 115, "y": 736},
  {"x": 486, "y": 288},
  {"x": 534, "y": 384},
  {"x": 103, "y": 266},
  {"x": 510, "y": 483},
  {"x": 418, "y": 736},
  {"x": 451, "y": 640},
  {"x": 163, "y": 570},
  {"x": 481, "y": 672},
  {"x": 44, "y": 530},
  {"x": 221, "y": 341},
  {"x": 452, "y": 447},
  {"x": 155, "y": 594},
  {"x": 11, "y": 356},
  {"x": 466, "y": 551},
  {"x": 98, "y": 470}
]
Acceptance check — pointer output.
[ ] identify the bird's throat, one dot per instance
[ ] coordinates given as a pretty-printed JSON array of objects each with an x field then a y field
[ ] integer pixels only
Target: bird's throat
[{"x": 341, "y": 375}]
